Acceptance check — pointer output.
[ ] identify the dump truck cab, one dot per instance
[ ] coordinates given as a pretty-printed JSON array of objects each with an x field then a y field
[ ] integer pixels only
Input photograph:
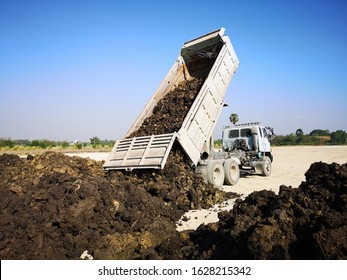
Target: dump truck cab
[
  {"x": 249, "y": 146},
  {"x": 247, "y": 137}
]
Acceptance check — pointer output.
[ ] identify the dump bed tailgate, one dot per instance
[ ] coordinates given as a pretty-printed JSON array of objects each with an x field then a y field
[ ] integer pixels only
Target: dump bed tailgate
[{"x": 141, "y": 152}]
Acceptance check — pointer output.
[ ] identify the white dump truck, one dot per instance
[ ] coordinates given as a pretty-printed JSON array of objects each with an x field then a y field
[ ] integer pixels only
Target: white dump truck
[
  {"x": 212, "y": 58},
  {"x": 245, "y": 147}
]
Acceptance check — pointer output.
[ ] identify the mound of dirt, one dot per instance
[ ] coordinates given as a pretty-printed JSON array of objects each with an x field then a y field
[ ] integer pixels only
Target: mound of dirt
[
  {"x": 56, "y": 207},
  {"x": 308, "y": 222}
]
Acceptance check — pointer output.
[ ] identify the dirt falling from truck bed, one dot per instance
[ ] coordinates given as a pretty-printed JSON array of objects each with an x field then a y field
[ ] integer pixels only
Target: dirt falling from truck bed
[{"x": 169, "y": 113}]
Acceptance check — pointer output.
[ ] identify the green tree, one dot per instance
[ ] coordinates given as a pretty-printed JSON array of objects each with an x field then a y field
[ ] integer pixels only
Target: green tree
[
  {"x": 234, "y": 118},
  {"x": 299, "y": 135},
  {"x": 43, "y": 144},
  {"x": 320, "y": 132},
  {"x": 7, "y": 143},
  {"x": 290, "y": 139},
  {"x": 338, "y": 137},
  {"x": 107, "y": 143},
  {"x": 38, "y": 143},
  {"x": 79, "y": 145},
  {"x": 64, "y": 144},
  {"x": 95, "y": 141}
]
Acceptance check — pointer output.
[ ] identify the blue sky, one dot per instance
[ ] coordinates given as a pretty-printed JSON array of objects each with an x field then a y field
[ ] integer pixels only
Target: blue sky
[{"x": 77, "y": 69}]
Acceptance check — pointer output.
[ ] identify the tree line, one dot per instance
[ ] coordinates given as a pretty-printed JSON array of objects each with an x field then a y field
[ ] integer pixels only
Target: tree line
[
  {"x": 94, "y": 142},
  {"x": 315, "y": 137}
]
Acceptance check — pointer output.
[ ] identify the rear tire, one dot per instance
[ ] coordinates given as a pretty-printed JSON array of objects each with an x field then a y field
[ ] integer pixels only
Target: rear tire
[
  {"x": 266, "y": 167},
  {"x": 231, "y": 172},
  {"x": 215, "y": 173}
]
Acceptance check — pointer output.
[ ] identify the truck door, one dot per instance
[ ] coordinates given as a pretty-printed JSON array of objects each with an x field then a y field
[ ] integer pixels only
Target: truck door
[{"x": 264, "y": 144}]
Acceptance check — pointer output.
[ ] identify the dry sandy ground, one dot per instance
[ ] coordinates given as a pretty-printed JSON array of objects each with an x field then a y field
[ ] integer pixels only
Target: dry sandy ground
[{"x": 288, "y": 168}]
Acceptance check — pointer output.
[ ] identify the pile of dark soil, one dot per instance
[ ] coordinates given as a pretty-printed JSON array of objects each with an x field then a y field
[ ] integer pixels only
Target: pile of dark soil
[
  {"x": 169, "y": 113},
  {"x": 56, "y": 207},
  {"x": 309, "y": 222}
]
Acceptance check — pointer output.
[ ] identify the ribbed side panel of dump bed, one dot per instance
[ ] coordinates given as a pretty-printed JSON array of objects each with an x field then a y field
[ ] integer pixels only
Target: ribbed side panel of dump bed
[
  {"x": 140, "y": 152},
  {"x": 201, "y": 119}
]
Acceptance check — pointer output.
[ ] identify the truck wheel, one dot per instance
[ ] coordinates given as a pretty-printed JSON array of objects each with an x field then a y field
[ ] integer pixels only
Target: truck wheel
[
  {"x": 231, "y": 172},
  {"x": 266, "y": 167},
  {"x": 215, "y": 173}
]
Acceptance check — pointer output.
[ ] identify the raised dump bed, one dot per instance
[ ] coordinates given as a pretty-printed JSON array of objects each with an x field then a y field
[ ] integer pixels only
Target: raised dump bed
[{"x": 210, "y": 59}]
